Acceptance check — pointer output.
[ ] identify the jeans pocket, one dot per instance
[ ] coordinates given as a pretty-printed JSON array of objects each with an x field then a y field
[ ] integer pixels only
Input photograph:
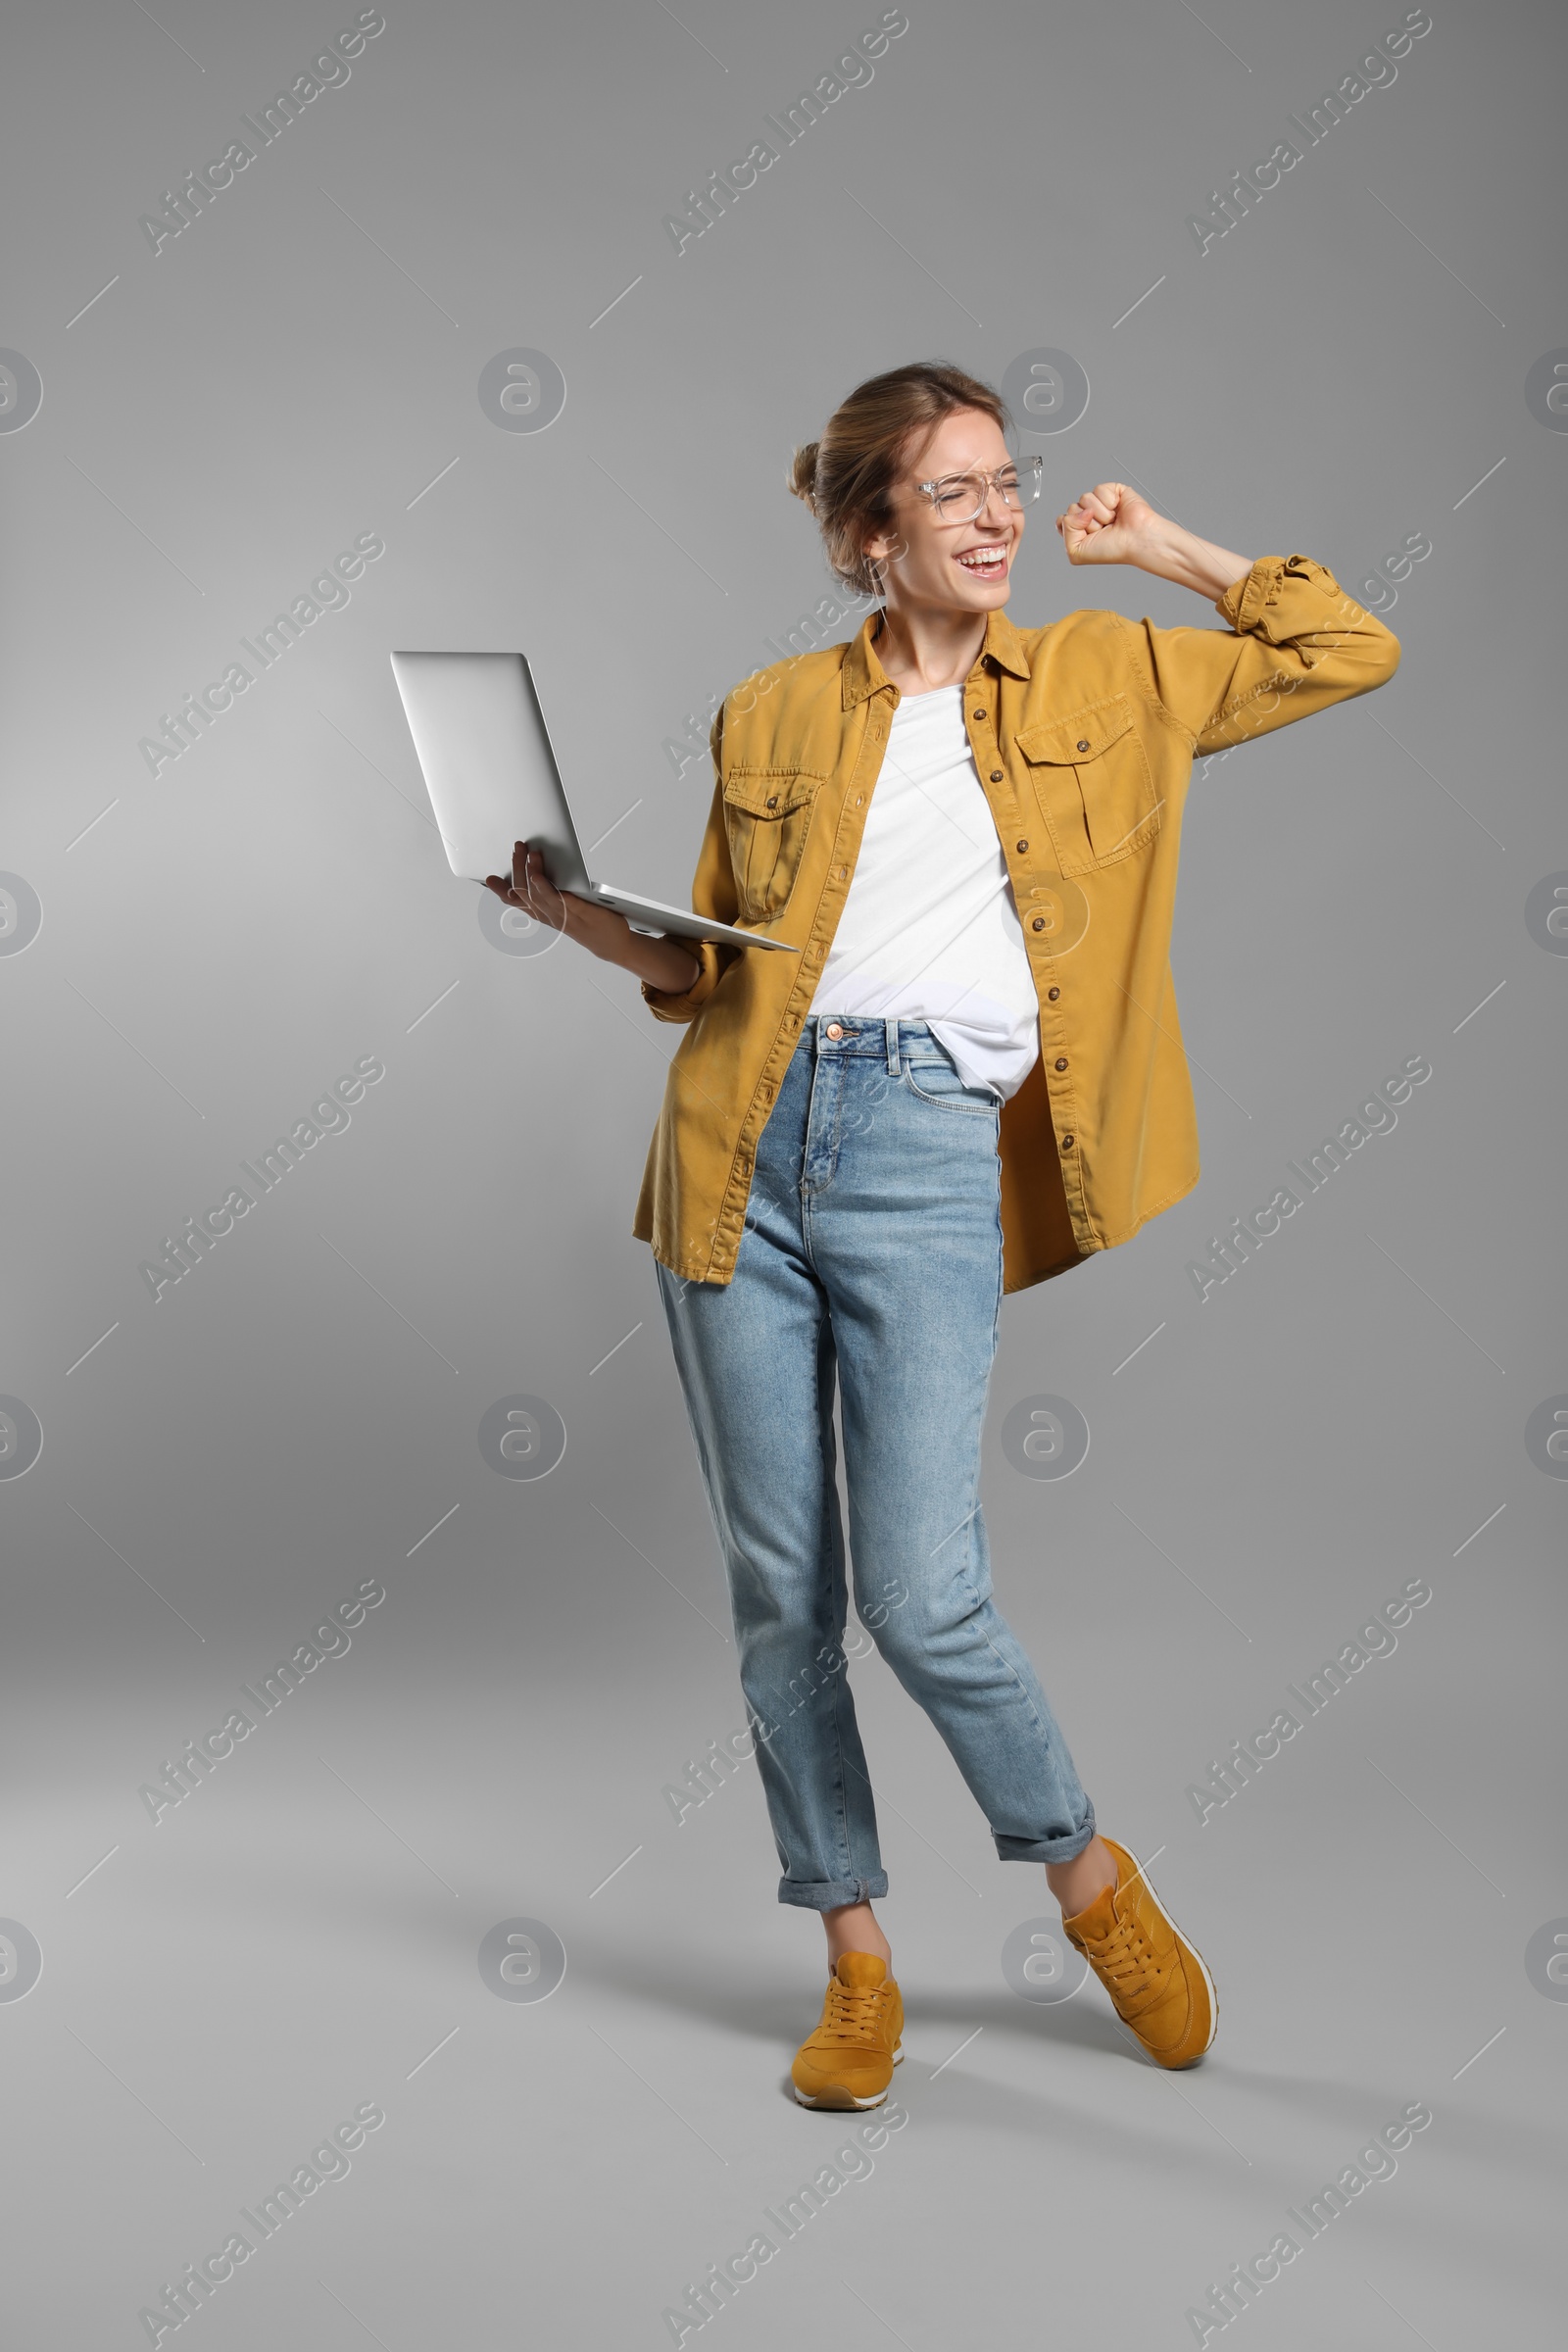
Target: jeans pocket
[{"x": 939, "y": 1084}]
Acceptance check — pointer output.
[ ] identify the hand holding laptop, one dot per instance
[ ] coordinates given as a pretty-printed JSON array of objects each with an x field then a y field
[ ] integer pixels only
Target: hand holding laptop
[
  {"x": 662, "y": 962},
  {"x": 492, "y": 775}
]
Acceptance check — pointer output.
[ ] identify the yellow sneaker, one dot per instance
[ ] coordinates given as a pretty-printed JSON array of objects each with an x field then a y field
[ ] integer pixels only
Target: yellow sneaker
[
  {"x": 1157, "y": 1983},
  {"x": 848, "y": 2060}
]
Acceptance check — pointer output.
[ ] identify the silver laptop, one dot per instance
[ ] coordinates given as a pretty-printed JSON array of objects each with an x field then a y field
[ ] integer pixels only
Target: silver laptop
[{"x": 492, "y": 779}]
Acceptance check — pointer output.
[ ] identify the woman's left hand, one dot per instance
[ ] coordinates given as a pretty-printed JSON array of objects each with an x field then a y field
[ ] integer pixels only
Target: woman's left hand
[{"x": 1109, "y": 525}]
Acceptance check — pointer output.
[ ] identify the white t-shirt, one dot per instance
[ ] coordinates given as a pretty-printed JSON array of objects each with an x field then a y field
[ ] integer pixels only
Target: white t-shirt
[{"x": 930, "y": 928}]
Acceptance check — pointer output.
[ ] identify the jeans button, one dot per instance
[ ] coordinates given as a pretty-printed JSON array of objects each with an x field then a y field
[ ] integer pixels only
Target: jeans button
[{"x": 834, "y": 1030}]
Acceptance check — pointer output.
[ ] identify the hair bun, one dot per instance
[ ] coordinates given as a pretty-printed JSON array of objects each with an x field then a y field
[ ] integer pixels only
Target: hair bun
[{"x": 802, "y": 472}]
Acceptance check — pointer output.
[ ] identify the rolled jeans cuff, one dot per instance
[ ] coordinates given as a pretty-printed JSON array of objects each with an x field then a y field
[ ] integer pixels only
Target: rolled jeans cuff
[
  {"x": 830, "y": 1894},
  {"x": 1065, "y": 1848}
]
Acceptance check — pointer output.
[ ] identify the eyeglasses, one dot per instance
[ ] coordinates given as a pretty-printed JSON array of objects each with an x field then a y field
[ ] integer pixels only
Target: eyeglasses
[{"x": 960, "y": 497}]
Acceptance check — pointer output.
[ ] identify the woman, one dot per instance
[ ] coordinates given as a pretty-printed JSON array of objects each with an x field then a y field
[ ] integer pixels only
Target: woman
[{"x": 965, "y": 1077}]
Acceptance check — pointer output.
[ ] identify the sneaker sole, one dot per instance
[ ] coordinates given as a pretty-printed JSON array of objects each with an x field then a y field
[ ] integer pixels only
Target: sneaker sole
[
  {"x": 1193, "y": 1951},
  {"x": 847, "y": 2099}
]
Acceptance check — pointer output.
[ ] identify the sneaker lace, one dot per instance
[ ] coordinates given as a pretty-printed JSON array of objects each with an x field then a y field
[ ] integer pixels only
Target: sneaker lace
[
  {"x": 854, "y": 2013},
  {"x": 1128, "y": 1962}
]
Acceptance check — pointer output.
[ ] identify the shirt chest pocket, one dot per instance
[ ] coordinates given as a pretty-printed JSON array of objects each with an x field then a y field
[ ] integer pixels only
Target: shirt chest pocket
[
  {"x": 1092, "y": 780},
  {"x": 768, "y": 815}
]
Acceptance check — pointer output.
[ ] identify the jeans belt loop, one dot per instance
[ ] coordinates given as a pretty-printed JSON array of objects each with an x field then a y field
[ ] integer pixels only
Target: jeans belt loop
[{"x": 892, "y": 1027}]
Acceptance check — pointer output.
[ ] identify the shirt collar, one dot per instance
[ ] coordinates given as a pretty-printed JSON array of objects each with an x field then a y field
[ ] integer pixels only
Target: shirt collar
[
  {"x": 863, "y": 674},
  {"x": 1005, "y": 644}
]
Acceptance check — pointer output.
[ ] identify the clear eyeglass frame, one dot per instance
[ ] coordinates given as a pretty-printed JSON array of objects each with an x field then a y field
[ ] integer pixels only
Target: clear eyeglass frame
[{"x": 1018, "y": 483}]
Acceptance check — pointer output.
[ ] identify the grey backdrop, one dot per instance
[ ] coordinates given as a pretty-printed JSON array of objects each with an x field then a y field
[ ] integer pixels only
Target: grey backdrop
[{"x": 1362, "y": 363}]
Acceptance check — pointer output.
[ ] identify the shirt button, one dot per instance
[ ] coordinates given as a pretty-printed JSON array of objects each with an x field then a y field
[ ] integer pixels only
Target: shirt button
[
  {"x": 1066, "y": 1143},
  {"x": 1083, "y": 745},
  {"x": 1022, "y": 847},
  {"x": 979, "y": 714},
  {"x": 1061, "y": 1062},
  {"x": 835, "y": 1029},
  {"x": 1039, "y": 923},
  {"x": 1053, "y": 993},
  {"x": 995, "y": 775},
  {"x": 773, "y": 797}
]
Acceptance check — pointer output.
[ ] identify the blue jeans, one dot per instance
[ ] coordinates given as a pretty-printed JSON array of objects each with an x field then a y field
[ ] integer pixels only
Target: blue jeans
[{"x": 872, "y": 1251}]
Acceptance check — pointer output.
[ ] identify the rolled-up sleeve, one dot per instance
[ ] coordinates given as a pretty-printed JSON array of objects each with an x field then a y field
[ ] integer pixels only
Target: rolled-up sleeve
[
  {"x": 1297, "y": 643},
  {"x": 713, "y": 895},
  {"x": 689, "y": 1004}
]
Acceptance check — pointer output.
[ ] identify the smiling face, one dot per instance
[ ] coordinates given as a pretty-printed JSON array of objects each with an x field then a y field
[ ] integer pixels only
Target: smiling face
[{"x": 938, "y": 566}]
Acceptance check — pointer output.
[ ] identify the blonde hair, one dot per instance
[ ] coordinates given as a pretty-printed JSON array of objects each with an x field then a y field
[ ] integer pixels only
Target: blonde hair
[{"x": 847, "y": 477}]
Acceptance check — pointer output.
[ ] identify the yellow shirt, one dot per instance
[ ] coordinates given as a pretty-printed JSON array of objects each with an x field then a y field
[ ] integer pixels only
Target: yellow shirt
[{"x": 1083, "y": 735}]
